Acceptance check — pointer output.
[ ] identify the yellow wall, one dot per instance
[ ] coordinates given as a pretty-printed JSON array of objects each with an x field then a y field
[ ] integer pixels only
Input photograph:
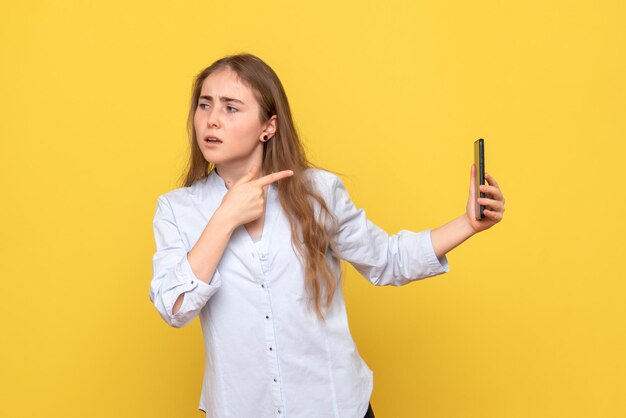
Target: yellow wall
[{"x": 528, "y": 323}]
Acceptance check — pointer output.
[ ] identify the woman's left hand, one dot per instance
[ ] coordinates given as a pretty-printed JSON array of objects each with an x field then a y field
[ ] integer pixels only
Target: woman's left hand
[{"x": 493, "y": 202}]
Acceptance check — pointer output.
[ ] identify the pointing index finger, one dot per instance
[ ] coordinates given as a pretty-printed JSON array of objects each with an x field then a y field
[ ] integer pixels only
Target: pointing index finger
[{"x": 271, "y": 178}]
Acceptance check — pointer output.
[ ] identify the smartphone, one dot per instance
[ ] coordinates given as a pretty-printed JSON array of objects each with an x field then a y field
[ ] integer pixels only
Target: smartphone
[{"x": 479, "y": 175}]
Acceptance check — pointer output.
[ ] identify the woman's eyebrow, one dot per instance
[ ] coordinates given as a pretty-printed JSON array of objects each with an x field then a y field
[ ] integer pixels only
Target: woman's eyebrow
[{"x": 222, "y": 99}]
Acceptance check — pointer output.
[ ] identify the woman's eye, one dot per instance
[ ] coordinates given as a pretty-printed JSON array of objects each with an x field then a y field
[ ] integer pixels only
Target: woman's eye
[{"x": 229, "y": 109}]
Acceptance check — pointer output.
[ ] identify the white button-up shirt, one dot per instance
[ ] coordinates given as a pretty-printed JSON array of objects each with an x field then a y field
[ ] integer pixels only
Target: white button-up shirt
[{"x": 267, "y": 354}]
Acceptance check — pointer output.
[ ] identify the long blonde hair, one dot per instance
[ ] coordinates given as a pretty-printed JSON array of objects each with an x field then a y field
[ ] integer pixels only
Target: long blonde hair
[{"x": 311, "y": 237}]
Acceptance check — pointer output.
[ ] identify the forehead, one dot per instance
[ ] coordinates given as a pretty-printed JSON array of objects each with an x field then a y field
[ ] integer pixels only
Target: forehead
[{"x": 225, "y": 82}]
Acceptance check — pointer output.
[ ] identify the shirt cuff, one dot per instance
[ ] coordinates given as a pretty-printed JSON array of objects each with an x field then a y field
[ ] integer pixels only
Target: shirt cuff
[
  {"x": 197, "y": 292},
  {"x": 188, "y": 276}
]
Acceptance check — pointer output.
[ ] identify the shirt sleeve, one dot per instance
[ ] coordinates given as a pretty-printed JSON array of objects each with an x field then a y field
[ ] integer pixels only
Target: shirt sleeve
[
  {"x": 172, "y": 274},
  {"x": 382, "y": 258}
]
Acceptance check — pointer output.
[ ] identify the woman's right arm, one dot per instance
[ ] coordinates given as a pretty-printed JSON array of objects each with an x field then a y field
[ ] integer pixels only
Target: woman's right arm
[
  {"x": 207, "y": 253},
  {"x": 182, "y": 281},
  {"x": 243, "y": 203}
]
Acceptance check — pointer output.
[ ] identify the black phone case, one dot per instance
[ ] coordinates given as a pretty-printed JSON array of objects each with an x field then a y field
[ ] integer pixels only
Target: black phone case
[{"x": 479, "y": 161}]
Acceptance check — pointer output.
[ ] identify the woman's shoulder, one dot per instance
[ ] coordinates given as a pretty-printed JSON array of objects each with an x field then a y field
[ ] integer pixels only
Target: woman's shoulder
[
  {"x": 322, "y": 177},
  {"x": 328, "y": 184}
]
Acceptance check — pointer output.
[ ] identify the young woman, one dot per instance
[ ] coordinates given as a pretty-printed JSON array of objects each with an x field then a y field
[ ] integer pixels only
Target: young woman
[{"x": 251, "y": 244}]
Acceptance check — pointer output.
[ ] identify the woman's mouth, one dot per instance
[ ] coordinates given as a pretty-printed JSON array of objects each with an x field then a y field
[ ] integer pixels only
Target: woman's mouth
[{"x": 212, "y": 139}]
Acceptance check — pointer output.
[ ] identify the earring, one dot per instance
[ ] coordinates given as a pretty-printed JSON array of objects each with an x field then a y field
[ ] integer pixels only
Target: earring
[{"x": 265, "y": 138}]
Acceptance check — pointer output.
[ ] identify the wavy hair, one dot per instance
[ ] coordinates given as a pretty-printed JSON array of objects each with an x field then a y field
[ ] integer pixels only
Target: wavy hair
[{"x": 311, "y": 237}]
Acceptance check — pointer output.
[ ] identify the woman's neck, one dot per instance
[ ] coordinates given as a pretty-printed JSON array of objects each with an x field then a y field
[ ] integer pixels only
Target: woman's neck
[{"x": 232, "y": 173}]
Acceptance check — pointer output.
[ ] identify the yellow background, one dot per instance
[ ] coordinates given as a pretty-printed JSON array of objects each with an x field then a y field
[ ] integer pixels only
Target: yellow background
[{"x": 529, "y": 322}]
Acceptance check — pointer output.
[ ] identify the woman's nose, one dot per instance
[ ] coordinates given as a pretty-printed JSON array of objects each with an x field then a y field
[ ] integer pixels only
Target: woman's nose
[{"x": 213, "y": 119}]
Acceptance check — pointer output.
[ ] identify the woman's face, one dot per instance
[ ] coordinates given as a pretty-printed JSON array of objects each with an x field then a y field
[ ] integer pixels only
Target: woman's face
[{"x": 228, "y": 113}]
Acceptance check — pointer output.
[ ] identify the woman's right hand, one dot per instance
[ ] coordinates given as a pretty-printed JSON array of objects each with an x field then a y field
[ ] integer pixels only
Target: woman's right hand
[{"x": 245, "y": 200}]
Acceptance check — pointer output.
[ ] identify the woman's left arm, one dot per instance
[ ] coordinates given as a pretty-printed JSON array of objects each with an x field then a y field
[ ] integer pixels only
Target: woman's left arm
[{"x": 450, "y": 235}]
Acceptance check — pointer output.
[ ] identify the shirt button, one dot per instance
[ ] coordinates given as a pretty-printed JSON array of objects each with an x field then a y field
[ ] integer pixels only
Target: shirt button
[
  {"x": 192, "y": 282},
  {"x": 267, "y": 317},
  {"x": 271, "y": 348},
  {"x": 263, "y": 257},
  {"x": 275, "y": 380},
  {"x": 279, "y": 411},
  {"x": 263, "y": 285}
]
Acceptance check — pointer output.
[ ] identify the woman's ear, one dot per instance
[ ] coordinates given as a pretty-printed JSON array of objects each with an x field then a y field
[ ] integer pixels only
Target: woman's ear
[{"x": 270, "y": 129}]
